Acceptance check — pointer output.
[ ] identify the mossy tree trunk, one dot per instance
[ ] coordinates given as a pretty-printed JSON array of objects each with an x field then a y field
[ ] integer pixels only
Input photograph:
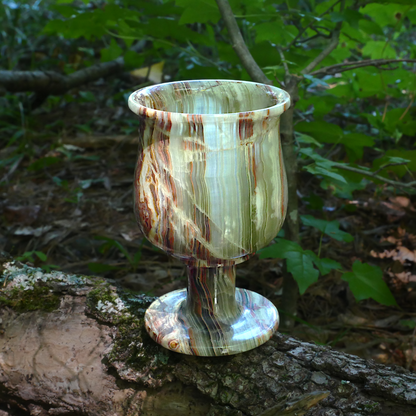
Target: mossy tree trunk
[{"x": 88, "y": 354}]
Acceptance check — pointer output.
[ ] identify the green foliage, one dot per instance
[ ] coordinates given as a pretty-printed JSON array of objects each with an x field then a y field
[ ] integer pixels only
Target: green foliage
[
  {"x": 362, "y": 118},
  {"x": 28, "y": 256},
  {"x": 35, "y": 256},
  {"x": 331, "y": 228},
  {"x": 409, "y": 323},
  {"x": 134, "y": 260},
  {"x": 366, "y": 281},
  {"x": 299, "y": 262}
]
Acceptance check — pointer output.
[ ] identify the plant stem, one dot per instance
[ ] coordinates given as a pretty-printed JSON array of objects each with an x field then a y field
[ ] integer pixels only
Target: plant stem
[{"x": 320, "y": 245}]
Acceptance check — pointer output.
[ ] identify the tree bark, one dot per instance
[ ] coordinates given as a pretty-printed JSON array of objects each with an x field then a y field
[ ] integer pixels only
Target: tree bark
[
  {"x": 53, "y": 83},
  {"x": 74, "y": 345}
]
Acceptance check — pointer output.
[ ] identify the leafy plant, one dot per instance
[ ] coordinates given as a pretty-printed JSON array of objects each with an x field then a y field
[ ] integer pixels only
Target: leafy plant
[
  {"x": 30, "y": 256},
  {"x": 366, "y": 281},
  {"x": 134, "y": 260}
]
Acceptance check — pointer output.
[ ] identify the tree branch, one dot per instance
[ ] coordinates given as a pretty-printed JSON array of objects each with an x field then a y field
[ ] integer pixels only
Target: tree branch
[
  {"x": 282, "y": 57},
  {"x": 374, "y": 176},
  {"x": 50, "y": 82},
  {"x": 329, "y": 48},
  {"x": 309, "y": 25},
  {"x": 92, "y": 339},
  {"x": 335, "y": 69},
  {"x": 387, "y": 165},
  {"x": 239, "y": 45}
]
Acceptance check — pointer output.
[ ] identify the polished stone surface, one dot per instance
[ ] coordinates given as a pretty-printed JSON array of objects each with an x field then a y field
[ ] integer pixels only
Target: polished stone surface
[
  {"x": 210, "y": 189},
  {"x": 168, "y": 324}
]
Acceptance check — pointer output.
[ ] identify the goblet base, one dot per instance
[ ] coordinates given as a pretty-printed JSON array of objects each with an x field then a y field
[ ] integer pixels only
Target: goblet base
[{"x": 171, "y": 324}]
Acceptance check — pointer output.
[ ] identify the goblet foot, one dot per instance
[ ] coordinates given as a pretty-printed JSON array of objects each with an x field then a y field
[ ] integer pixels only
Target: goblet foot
[{"x": 171, "y": 324}]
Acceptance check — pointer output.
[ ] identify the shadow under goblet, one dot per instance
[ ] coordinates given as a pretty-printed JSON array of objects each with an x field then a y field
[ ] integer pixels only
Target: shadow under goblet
[{"x": 210, "y": 189}]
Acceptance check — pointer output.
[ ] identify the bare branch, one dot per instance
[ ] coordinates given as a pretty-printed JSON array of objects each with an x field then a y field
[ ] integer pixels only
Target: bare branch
[
  {"x": 335, "y": 69},
  {"x": 373, "y": 175},
  {"x": 387, "y": 165},
  {"x": 309, "y": 25},
  {"x": 329, "y": 48},
  {"x": 282, "y": 57},
  {"x": 50, "y": 82},
  {"x": 239, "y": 45}
]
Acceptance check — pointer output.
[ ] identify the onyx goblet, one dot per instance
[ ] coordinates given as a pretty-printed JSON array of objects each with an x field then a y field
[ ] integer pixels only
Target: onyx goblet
[{"x": 210, "y": 189}]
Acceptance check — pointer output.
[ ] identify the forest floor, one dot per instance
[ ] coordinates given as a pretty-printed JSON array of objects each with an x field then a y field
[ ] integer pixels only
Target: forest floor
[{"x": 74, "y": 204}]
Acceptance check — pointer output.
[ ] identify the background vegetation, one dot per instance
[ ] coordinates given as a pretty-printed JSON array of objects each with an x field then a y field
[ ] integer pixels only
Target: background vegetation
[{"x": 67, "y": 147}]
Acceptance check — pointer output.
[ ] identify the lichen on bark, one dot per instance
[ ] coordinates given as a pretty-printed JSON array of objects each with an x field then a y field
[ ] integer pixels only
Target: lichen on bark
[{"x": 134, "y": 355}]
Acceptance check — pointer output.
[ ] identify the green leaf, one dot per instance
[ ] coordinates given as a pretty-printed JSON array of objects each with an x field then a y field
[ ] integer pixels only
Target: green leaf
[
  {"x": 325, "y": 265},
  {"x": 299, "y": 262},
  {"x": 321, "y": 131},
  {"x": 387, "y": 14},
  {"x": 378, "y": 49},
  {"x": 112, "y": 52},
  {"x": 400, "y": 171},
  {"x": 64, "y": 10},
  {"x": 321, "y": 161},
  {"x": 43, "y": 163},
  {"x": 304, "y": 138},
  {"x": 137, "y": 257},
  {"x": 330, "y": 228},
  {"x": 348, "y": 15},
  {"x": 162, "y": 28},
  {"x": 408, "y": 322},
  {"x": 275, "y": 32},
  {"x": 370, "y": 27},
  {"x": 322, "y": 166},
  {"x": 278, "y": 250},
  {"x": 133, "y": 60},
  {"x": 343, "y": 189},
  {"x": 355, "y": 143},
  {"x": 101, "y": 267},
  {"x": 40, "y": 255},
  {"x": 366, "y": 281},
  {"x": 301, "y": 267},
  {"x": 205, "y": 11},
  {"x": 318, "y": 170},
  {"x": 271, "y": 32},
  {"x": 88, "y": 96},
  {"x": 322, "y": 105}
]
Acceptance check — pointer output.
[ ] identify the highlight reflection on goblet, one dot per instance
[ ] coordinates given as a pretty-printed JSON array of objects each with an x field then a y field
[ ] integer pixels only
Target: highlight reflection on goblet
[{"x": 210, "y": 189}]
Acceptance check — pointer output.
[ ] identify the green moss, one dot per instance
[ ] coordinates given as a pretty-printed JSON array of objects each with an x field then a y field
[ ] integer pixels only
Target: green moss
[
  {"x": 132, "y": 345},
  {"x": 103, "y": 293},
  {"x": 38, "y": 298}
]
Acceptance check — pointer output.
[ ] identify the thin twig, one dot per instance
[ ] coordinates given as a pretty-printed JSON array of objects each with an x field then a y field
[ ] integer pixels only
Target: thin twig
[
  {"x": 329, "y": 48},
  {"x": 335, "y": 69},
  {"x": 387, "y": 165},
  {"x": 371, "y": 175},
  {"x": 408, "y": 107},
  {"x": 239, "y": 45},
  {"x": 282, "y": 57},
  {"x": 309, "y": 25}
]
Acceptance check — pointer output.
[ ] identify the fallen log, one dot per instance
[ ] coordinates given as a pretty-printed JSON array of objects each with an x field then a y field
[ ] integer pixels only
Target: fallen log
[{"x": 76, "y": 345}]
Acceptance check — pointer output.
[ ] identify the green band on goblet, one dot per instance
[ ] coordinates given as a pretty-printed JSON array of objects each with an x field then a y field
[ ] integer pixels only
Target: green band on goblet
[{"x": 210, "y": 189}]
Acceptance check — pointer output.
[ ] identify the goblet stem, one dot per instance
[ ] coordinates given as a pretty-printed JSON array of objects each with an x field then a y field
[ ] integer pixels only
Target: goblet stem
[
  {"x": 211, "y": 294},
  {"x": 211, "y": 317}
]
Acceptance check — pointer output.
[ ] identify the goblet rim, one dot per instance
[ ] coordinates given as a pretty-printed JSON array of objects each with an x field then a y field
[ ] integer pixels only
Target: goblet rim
[{"x": 148, "y": 112}]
